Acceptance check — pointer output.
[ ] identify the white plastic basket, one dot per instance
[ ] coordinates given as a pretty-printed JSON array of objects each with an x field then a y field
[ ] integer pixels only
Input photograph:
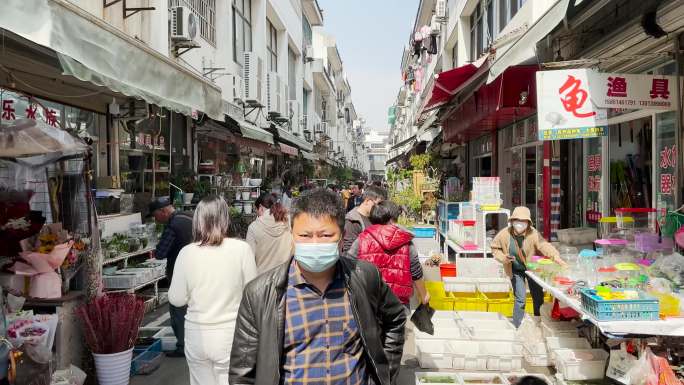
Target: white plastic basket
[
  {"x": 460, "y": 284},
  {"x": 483, "y": 379},
  {"x": 444, "y": 314},
  {"x": 581, "y": 364},
  {"x": 536, "y": 347},
  {"x": 479, "y": 268},
  {"x": 420, "y": 377},
  {"x": 474, "y": 324},
  {"x": 502, "y": 356},
  {"x": 434, "y": 354},
  {"x": 479, "y": 315},
  {"x": 494, "y": 285},
  {"x": 168, "y": 339},
  {"x": 536, "y": 360},
  {"x": 556, "y": 343},
  {"x": 493, "y": 335},
  {"x": 467, "y": 356},
  {"x": 559, "y": 329},
  {"x": 445, "y": 329}
]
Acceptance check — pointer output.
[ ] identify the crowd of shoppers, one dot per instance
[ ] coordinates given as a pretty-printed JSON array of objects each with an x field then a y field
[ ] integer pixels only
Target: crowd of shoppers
[{"x": 315, "y": 314}]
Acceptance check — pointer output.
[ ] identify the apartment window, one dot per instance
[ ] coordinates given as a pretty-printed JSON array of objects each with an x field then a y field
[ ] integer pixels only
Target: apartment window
[
  {"x": 454, "y": 56},
  {"x": 307, "y": 32},
  {"x": 476, "y": 33},
  {"x": 292, "y": 73},
  {"x": 205, "y": 10},
  {"x": 272, "y": 47},
  {"x": 242, "y": 29},
  {"x": 507, "y": 10}
]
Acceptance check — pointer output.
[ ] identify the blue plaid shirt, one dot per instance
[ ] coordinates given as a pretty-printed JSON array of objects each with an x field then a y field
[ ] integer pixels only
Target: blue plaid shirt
[{"x": 322, "y": 344}]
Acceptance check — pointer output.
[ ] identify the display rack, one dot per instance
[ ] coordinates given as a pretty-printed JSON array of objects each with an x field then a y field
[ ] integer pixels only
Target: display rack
[
  {"x": 480, "y": 238},
  {"x": 126, "y": 256},
  {"x": 673, "y": 326},
  {"x": 238, "y": 198}
]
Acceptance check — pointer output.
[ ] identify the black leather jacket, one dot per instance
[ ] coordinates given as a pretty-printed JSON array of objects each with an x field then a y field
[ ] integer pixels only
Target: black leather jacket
[{"x": 257, "y": 354}]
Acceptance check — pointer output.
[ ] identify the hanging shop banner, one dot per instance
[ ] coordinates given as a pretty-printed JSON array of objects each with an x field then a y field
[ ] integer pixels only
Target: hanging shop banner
[
  {"x": 573, "y": 103},
  {"x": 565, "y": 106}
]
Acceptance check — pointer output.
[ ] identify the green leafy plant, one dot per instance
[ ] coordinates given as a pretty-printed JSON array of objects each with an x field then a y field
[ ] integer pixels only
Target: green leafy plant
[{"x": 421, "y": 162}]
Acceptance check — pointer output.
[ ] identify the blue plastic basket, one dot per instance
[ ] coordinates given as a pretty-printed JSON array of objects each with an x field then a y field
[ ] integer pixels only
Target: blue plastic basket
[
  {"x": 424, "y": 232},
  {"x": 646, "y": 308},
  {"x": 146, "y": 359}
]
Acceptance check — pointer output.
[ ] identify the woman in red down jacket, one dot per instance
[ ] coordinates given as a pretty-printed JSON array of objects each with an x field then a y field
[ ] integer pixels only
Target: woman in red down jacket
[{"x": 390, "y": 248}]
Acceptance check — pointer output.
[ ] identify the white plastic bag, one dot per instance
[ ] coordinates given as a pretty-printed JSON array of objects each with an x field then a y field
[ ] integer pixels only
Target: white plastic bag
[{"x": 620, "y": 364}]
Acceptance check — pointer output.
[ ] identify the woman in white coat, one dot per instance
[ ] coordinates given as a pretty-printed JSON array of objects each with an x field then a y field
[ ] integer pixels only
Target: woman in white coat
[{"x": 209, "y": 277}]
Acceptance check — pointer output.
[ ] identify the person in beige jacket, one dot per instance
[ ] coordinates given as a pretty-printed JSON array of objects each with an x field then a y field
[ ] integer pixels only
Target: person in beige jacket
[
  {"x": 269, "y": 235},
  {"x": 512, "y": 246}
]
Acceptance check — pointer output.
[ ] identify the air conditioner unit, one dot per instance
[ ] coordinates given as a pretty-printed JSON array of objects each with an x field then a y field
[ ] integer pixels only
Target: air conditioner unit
[
  {"x": 252, "y": 76},
  {"x": 236, "y": 88},
  {"x": 273, "y": 90},
  {"x": 308, "y": 53},
  {"x": 183, "y": 24},
  {"x": 293, "y": 109},
  {"x": 441, "y": 9}
]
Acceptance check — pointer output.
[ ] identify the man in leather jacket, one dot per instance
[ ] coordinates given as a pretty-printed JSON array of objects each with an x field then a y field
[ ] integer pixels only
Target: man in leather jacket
[{"x": 319, "y": 318}]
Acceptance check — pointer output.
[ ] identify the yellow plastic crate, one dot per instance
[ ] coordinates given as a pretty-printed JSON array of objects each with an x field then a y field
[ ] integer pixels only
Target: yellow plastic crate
[
  {"x": 439, "y": 299},
  {"x": 499, "y": 303},
  {"x": 469, "y": 302},
  {"x": 529, "y": 308}
]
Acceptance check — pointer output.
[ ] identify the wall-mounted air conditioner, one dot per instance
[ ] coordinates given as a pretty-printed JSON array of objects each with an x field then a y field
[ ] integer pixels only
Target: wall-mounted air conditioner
[
  {"x": 183, "y": 24},
  {"x": 252, "y": 77},
  {"x": 273, "y": 93}
]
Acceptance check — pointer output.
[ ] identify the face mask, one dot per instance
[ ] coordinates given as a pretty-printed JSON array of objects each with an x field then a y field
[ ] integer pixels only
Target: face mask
[
  {"x": 316, "y": 257},
  {"x": 520, "y": 227}
]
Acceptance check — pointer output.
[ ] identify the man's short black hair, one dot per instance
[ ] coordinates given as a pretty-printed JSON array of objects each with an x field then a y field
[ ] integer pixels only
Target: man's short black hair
[
  {"x": 383, "y": 212},
  {"x": 360, "y": 185},
  {"x": 320, "y": 202},
  {"x": 531, "y": 380},
  {"x": 374, "y": 192}
]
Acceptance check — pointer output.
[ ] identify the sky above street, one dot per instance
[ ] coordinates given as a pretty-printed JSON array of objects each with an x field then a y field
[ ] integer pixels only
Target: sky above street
[{"x": 371, "y": 35}]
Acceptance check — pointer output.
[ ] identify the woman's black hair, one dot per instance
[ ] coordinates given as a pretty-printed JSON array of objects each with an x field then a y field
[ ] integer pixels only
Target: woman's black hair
[
  {"x": 531, "y": 380},
  {"x": 383, "y": 212}
]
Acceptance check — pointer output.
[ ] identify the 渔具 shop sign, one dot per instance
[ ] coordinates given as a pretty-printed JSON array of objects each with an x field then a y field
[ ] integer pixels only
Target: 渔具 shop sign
[{"x": 574, "y": 103}]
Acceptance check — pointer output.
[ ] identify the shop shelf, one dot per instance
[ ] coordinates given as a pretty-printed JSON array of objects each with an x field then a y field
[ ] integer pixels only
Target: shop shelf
[
  {"x": 646, "y": 308},
  {"x": 499, "y": 303}
]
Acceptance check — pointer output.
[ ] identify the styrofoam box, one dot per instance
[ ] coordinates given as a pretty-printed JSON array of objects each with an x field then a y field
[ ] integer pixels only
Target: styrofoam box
[
  {"x": 483, "y": 379},
  {"x": 434, "y": 354},
  {"x": 502, "y": 356},
  {"x": 581, "y": 364},
  {"x": 494, "y": 285},
  {"x": 460, "y": 284},
  {"x": 467, "y": 355},
  {"x": 445, "y": 329},
  {"x": 479, "y": 315},
  {"x": 444, "y": 314},
  {"x": 168, "y": 339},
  {"x": 556, "y": 343},
  {"x": 455, "y": 377}
]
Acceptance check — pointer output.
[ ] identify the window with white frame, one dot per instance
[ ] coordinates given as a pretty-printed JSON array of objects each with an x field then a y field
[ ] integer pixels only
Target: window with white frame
[
  {"x": 272, "y": 47},
  {"x": 307, "y": 32},
  {"x": 507, "y": 10},
  {"x": 205, "y": 11},
  {"x": 476, "y": 33},
  {"x": 242, "y": 29}
]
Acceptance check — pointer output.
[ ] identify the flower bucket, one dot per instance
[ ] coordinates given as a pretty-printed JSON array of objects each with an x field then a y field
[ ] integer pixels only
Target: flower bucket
[
  {"x": 187, "y": 198},
  {"x": 115, "y": 368}
]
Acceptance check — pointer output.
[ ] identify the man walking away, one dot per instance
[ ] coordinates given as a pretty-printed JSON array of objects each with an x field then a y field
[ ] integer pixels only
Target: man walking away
[
  {"x": 176, "y": 235},
  {"x": 357, "y": 219},
  {"x": 356, "y": 196},
  {"x": 320, "y": 318}
]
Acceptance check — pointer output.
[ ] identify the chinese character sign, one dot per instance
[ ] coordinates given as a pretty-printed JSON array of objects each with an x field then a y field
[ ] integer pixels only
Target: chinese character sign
[
  {"x": 565, "y": 106},
  {"x": 668, "y": 165},
  {"x": 631, "y": 91}
]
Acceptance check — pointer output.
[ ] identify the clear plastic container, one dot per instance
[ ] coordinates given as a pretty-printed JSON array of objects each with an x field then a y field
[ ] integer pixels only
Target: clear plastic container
[
  {"x": 608, "y": 227},
  {"x": 644, "y": 219},
  {"x": 465, "y": 234}
]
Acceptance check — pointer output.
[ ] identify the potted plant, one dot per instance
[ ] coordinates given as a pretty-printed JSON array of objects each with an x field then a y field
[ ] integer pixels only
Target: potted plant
[
  {"x": 185, "y": 179},
  {"x": 110, "y": 327}
]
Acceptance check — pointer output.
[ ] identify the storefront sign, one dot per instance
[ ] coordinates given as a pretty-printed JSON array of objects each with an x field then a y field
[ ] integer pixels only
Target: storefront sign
[
  {"x": 15, "y": 106},
  {"x": 668, "y": 165},
  {"x": 574, "y": 103},
  {"x": 565, "y": 107},
  {"x": 289, "y": 150}
]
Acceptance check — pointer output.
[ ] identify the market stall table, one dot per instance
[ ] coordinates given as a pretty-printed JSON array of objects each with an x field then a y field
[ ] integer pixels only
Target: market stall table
[{"x": 673, "y": 327}]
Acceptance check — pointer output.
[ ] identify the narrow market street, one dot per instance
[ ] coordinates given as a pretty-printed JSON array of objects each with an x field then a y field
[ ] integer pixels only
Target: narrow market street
[{"x": 341, "y": 192}]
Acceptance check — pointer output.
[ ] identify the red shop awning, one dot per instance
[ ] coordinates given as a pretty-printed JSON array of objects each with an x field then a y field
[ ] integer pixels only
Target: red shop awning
[
  {"x": 511, "y": 96},
  {"x": 288, "y": 150},
  {"x": 445, "y": 84}
]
